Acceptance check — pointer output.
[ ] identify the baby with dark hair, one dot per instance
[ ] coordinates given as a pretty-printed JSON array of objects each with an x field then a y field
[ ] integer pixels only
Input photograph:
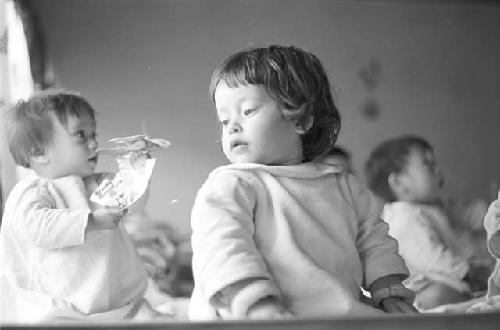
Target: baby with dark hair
[
  {"x": 278, "y": 233},
  {"x": 403, "y": 172}
]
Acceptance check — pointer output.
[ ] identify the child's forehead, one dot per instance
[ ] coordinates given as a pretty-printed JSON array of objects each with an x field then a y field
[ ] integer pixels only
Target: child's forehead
[
  {"x": 75, "y": 120},
  {"x": 419, "y": 152},
  {"x": 228, "y": 93}
]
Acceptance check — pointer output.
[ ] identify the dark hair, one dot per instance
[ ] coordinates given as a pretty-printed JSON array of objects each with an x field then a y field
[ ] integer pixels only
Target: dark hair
[
  {"x": 29, "y": 123},
  {"x": 297, "y": 80},
  {"x": 389, "y": 157}
]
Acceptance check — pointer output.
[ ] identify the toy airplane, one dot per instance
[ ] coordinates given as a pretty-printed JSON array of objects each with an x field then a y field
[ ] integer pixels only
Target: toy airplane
[
  {"x": 135, "y": 166},
  {"x": 135, "y": 143}
]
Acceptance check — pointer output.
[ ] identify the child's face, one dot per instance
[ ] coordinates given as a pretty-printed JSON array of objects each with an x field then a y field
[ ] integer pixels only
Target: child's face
[
  {"x": 421, "y": 176},
  {"x": 253, "y": 127},
  {"x": 73, "y": 148}
]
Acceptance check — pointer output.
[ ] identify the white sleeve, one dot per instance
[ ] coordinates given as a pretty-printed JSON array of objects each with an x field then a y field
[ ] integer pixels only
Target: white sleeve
[
  {"x": 377, "y": 250},
  {"x": 41, "y": 224},
  {"x": 492, "y": 226},
  {"x": 224, "y": 250}
]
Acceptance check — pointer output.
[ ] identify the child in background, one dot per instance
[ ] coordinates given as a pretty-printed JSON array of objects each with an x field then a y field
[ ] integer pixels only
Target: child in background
[
  {"x": 491, "y": 301},
  {"x": 275, "y": 233},
  {"x": 492, "y": 226},
  {"x": 403, "y": 172},
  {"x": 62, "y": 257}
]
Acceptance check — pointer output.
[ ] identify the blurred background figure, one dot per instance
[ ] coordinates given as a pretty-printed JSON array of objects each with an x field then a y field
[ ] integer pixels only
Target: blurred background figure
[{"x": 403, "y": 171}]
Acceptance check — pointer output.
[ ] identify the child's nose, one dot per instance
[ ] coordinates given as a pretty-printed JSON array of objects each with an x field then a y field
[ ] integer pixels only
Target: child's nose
[{"x": 234, "y": 127}]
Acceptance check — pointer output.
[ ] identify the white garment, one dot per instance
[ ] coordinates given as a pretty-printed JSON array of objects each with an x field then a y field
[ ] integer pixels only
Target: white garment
[
  {"x": 306, "y": 234},
  {"x": 51, "y": 270},
  {"x": 492, "y": 226},
  {"x": 427, "y": 245}
]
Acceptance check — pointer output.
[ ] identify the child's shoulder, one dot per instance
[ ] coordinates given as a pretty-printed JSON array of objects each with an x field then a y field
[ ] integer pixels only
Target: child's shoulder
[
  {"x": 31, "y": 188},
  {"x": 227, "y": 176},
  {"x": 252, "y": 172},
  {"x": 27, "y": 184}
]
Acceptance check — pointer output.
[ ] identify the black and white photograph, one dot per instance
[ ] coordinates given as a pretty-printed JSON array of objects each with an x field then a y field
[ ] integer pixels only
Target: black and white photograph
[{"x": 249, "y": 164}]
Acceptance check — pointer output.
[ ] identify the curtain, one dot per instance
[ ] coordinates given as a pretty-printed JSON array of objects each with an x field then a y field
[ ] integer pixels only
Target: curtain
[{"x": 16, "y": 81}]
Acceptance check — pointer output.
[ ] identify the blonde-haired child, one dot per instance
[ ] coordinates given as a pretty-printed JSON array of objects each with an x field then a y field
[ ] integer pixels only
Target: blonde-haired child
[
  {"x": 277, "y": 234},
  {"x": 63, "y": 258}
]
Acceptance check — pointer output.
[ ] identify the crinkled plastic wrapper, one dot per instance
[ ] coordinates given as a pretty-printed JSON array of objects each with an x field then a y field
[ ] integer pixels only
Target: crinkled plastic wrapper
[{"x": 128, "y": 185}]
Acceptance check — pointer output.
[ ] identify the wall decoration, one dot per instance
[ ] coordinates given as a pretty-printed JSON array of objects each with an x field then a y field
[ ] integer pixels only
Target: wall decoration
[{"x": 370, "y": 76}]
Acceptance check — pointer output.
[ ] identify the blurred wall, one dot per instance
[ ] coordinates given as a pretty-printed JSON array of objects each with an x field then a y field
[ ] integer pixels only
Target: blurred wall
[{"x": 435, "y": 72}]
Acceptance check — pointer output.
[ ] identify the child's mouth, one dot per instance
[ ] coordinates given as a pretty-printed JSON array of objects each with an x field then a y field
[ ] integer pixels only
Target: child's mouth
[
  {"x": 237, "y": 144},
  {"x": 238, "y": 147}
]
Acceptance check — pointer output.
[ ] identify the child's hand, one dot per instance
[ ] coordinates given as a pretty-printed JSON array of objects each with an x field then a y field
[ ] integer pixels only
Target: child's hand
[
  {"x": 105, "y": 218},
  {"x": 396, "y": 305},
  {"x": 268, "y": 309}
]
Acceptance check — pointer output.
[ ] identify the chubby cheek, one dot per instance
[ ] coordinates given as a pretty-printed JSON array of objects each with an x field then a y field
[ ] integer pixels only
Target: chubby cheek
[{"x": 225, "y": 146}]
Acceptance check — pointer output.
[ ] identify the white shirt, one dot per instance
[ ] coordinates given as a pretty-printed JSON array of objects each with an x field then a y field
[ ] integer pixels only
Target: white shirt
[
  {"x": 51, "y": 270},
  {"x": 427, "y": 245},
  {"x": 307, "y": 234}
]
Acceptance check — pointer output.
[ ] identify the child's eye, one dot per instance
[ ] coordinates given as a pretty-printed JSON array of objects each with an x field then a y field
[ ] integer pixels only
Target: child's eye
[
  {"x": 80, "y": 135},
  {"x": 247, "y": 112},
  {"x": 430, "y": 164}
]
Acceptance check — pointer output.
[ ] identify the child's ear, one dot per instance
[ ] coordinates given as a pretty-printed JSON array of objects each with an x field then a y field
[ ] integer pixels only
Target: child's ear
[
  {"x": 39, "y": 156},
  {"x": 302, "y": 126}
]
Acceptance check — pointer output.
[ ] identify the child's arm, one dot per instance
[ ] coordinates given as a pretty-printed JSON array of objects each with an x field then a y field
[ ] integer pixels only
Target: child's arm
[
  {"x": 226, "y": 262},
  {"x": 268, "y": 309},
  {"x": 492, "y": 226},
  {"x": 377, "y": 250},
  {"x": 233, "y": 297},
  {"x": 104, "y": 218},
  {"x": 40, "y": 223}
]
